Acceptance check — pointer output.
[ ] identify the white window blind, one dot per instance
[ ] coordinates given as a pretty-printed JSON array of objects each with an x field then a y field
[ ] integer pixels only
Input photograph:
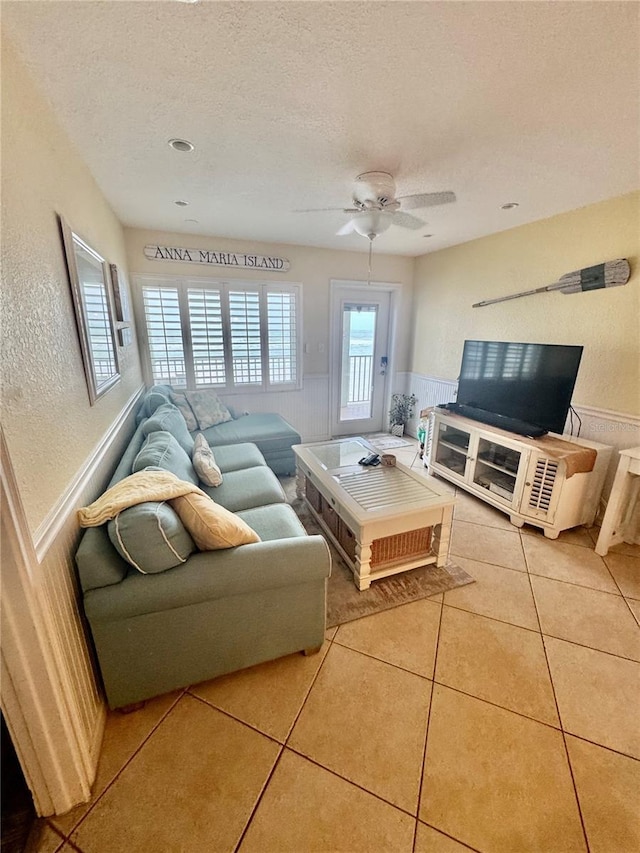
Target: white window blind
[
  {"x": 164, "y": 334},
  {"x": 207, "y": 337},
  {"x": 209, "y": 333},
  {"x": 281, "y": 313},
  {"x": 246, "y": 342}
]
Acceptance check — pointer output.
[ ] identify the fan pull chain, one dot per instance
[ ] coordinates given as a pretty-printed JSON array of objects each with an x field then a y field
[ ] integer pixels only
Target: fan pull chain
[{"x": 370, "y": 253}]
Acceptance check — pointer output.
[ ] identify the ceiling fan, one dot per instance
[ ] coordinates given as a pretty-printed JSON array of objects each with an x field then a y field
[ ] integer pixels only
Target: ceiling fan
[{"x": 376, "y": 207}]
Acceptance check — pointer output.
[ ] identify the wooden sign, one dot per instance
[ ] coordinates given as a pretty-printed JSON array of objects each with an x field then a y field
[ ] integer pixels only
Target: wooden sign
[{"x": 208, "y": 257}]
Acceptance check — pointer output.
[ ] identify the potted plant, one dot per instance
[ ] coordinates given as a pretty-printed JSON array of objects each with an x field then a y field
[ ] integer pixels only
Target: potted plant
[{"x": 402, "y": 408}]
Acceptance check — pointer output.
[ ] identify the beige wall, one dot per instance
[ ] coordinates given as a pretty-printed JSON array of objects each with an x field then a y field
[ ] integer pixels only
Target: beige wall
[
  {"x": 606, "y": 322},
  {"x": 314, "y": 268},
  {"x": 49, "y": 425}
]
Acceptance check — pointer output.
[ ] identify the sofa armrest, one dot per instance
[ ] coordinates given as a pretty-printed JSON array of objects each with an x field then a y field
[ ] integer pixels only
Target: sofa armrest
[{"x": 210, "y": 575}]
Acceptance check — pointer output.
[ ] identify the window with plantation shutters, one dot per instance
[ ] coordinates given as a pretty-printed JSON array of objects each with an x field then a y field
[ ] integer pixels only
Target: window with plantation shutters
[
  {"x": 207, "y": 337},
  {"x": 164, "y": 334},
  {"x": 202, "y": 333},
  {"x": 282, "y": 341},
  {"x": 246, "y": 340}
]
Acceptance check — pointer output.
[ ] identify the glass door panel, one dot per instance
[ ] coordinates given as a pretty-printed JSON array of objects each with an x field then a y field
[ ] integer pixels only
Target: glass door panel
[
  {"x": 452, "y": 448},
  {"x": 356, "y": 382},
  {"x": 359, "y": 360},
  {"x": 496, "y": 469}
]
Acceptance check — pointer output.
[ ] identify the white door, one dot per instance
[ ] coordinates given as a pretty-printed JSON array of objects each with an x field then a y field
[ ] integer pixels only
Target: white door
[{"x": 359, "y": 359}]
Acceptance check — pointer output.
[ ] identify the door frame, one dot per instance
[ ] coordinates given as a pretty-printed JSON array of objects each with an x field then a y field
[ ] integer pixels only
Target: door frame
[
  {"x": 39, "y": 718},
  {"x": 336, "y": 287}
]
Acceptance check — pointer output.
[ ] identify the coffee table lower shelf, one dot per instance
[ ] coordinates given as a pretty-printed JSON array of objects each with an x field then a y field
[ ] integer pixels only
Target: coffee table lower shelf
[{"x": 385, "y": 555}]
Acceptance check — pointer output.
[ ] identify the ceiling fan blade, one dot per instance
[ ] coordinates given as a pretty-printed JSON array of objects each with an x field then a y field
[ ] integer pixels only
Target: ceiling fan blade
[
  {"x": 406, "y": 220},
  {"x": 318, "y": 210},
  {"x": 347, "y": 228},
  {"x": 412, "y": 202}
]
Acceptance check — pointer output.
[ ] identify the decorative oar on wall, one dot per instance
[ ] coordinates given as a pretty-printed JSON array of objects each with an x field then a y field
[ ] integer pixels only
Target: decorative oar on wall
[{"x": 609, "y": 274}]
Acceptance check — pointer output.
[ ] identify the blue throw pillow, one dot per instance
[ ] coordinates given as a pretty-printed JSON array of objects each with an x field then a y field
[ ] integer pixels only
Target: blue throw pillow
[{"x": 151, "y": 537}]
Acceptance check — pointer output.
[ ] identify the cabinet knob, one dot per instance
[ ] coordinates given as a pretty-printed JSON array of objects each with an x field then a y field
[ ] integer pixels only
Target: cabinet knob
[{"x": 527, "y": 484}]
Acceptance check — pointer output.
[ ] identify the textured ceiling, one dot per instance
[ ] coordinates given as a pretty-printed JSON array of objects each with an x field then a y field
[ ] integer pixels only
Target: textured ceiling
[{"x": 534, "y": 102}]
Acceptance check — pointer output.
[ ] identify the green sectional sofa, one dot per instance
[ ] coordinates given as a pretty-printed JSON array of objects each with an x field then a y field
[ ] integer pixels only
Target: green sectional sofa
[
  {"x": 215, "y": 611},
  {"x": 273, "y": 436}
]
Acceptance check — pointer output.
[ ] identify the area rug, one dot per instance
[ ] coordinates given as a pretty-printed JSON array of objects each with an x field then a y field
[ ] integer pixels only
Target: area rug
[
  {"x": 384, "y": 441},
  {"x": 346, "y": 603}
]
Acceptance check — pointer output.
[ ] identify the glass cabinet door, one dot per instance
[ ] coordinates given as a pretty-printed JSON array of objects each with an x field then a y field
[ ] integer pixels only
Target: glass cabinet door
[
  {"x": 496, "y": 469},
  {"x": 452, "y": 448}
]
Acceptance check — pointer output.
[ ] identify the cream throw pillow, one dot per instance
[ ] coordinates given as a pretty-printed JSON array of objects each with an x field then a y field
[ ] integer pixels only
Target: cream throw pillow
[
  {"x": 204, "y": 462},
  {"x": 208, "y": 408},
  {"x": 212, "y": 526}
]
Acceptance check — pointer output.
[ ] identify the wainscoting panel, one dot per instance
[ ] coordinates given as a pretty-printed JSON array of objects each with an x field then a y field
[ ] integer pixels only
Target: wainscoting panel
[
  {"x": 430, "y": 392},
  {"x": 616, "y": 429},
  {"x": 57, "y": 613},
  {"x": 57, "y": 582}
]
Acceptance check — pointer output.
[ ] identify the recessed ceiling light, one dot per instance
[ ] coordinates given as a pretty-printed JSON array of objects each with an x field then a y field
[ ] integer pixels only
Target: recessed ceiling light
[
  {"x": 509, "y": 205},
  {"x": 193, "y": 2},
  {"x": 192, "y": 221},
  {"x": 182, "y": 203},
  {"x": 427, "y": 235},
  {"x": 181, "y": 144}
]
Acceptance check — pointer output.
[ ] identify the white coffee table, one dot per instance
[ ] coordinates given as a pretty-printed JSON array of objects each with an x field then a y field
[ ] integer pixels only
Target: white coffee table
[{"x": 383, "y": 520}]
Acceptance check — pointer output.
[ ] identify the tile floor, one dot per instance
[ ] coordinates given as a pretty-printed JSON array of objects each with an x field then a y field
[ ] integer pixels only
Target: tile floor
[{"x": 501, "y": 717}]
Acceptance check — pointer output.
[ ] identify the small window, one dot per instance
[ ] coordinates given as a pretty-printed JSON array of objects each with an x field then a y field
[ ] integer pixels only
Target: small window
[
  {"x": 164, "y": 335},
  {"x": 246, "y": 341},
  {"x": 207, "y": 337}
]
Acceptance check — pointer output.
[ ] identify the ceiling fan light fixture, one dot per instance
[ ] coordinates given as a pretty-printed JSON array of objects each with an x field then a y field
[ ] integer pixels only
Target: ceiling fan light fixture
[{"x": 371, "y": 224}]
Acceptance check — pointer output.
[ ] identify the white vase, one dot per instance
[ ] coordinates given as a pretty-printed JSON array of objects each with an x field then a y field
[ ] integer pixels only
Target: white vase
[{"x": 397, "y": 429}]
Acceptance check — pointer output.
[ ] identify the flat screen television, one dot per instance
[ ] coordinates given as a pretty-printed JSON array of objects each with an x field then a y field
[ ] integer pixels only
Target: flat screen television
[{"x": 532, "y": 383}]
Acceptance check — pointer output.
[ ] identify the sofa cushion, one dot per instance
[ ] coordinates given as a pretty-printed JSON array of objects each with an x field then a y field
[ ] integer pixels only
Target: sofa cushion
[
  {"x": 269, "y": 431},
  {"x": 97, "y": 562},
  {"x": 208, "y": 408},
  {"x": 151, "y": 537},
  {"x": 277, "y": 521},
  {"x": 161, "y": 450},
  {"x": 179, "y": 399},
  {"x": 169, "y": 418},
  {"x": 204, "y": 462},
  {"x": 235, "y": 457},
  {"x": 153, "y": 398},
  {"x": 211, "y": 525},
  {"x": 246, "y": 489}
]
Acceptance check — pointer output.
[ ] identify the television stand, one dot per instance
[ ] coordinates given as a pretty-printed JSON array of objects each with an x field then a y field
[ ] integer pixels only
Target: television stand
[
  {"x": 496, "y": 420},
  {"x": 552, "y": 482}
]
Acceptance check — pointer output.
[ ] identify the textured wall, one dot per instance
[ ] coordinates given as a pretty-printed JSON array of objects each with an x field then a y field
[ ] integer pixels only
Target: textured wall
[
  {"x": 313, "y": 267},
  {"x": 49, "y": 425},
  {"x": 606, "y": 322}
]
